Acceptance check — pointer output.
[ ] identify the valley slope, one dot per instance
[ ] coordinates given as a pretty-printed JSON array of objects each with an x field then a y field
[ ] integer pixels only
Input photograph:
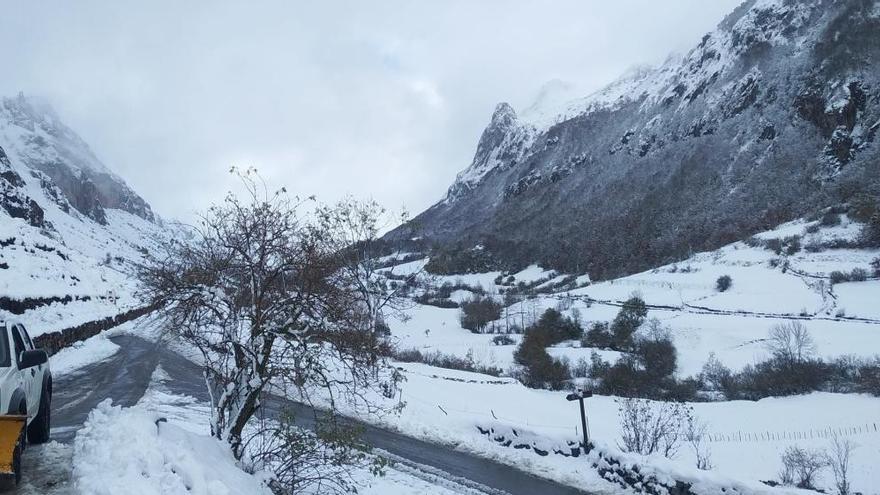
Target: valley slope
[{"x": 772, "y": 116}]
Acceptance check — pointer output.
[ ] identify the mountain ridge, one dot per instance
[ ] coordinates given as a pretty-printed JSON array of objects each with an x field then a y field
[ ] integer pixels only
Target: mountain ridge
[
  {"x": 33, "y": 134},
  {"x": 771, "y": 116}
]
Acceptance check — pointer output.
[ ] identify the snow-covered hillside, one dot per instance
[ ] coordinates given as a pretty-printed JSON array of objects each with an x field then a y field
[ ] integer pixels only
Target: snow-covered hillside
[
  {"x": 770, "y": 117},
  {"x": 768, "y": 287},
  {"x": 62, "y": 264}
]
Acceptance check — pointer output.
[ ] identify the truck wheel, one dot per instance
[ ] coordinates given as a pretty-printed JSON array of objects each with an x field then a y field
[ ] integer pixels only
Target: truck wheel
[{"x": 38, "y": 431}]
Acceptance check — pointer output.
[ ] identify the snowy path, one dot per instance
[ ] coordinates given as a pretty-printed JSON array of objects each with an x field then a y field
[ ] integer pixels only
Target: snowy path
[{"x": 125, "y": 376}]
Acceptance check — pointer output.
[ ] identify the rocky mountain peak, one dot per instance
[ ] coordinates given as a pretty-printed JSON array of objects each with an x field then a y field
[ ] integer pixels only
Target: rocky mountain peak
[
  {"x": 32, "y": 133},
  {"x": 771, "y": 116},
  {"x": 503, "y": 116}
]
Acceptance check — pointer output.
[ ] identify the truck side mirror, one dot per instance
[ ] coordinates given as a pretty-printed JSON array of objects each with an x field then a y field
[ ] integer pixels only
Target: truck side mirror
[{"x": 36, "y": 357}]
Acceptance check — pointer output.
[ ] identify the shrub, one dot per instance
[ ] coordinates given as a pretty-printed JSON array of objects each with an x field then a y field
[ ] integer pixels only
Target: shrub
[
  {"x": 800, "y": 467},
  {"x": 858, "y": 275},
  {"x": 598, "y": 366},
  {"x": 871, "y": 232},
  {"x": 876, "y": 266},
  {"x": 648, "y": 372},
  {"x": 478, "y": 311},
  {"x": 811, "y": 229},
  {"x": 723, "y": 283},
  {"x": 623, "y": 378},
  {"x": 652, "y": 427},
  {"x": 830, "y": 219},
  {"x": 598, "y": 336},
  {"x": 552, "y": 328},
  {"x": 838, "y": 459},
  {"x": 447, "y": 361},
  {"x": 715, "y": 376},
  {"x": 754, "y": 242},
  {"x": 630, "y": 317},
  {"x": 503, "y": 340},
  {"x": 581, "y": 369},
  {"x": 838, "y": 277},
  {"x": 778, "y": 378},
  {"x": 863, "y": 207},
  {"x": 792, "y": 245},
  {"x": 867, "y": 377},
  {"x": 658, "y": 358},
  {"x": 540, "y": 369},
  {"x": 774, "y": 244}
]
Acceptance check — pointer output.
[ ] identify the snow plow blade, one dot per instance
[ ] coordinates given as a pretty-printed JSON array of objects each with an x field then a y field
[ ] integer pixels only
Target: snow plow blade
[{"x": 10, "y": 449}]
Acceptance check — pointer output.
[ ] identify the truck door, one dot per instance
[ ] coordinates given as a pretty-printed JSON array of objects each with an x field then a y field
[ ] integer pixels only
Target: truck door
[
  {"x": 25, "y": 377},
  {"x": 33, "y": 377}
]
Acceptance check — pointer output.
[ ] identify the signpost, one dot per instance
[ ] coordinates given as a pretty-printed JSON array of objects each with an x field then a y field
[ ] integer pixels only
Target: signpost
[{"x": 580, "y": 395}]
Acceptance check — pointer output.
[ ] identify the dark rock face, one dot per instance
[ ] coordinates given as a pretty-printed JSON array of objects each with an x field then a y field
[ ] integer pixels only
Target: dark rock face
[
  {"x": 48, "y": 146},
  {"x": 770, "y": 117},
  {"x": 12, "y": 198}
]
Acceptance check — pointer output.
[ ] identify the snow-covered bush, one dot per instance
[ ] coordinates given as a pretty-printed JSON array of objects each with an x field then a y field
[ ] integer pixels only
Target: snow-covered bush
[
  {"x": 503, "y": 340},
  {"x": 858, "y": 275},
  {"x": 714, "y": 375},
  {"x": 598, "y": 335},
  {"x": 540, "y": 370},
  {"x": 316, "y": 460},
  {"x": 830, "y": 219},
  {"x": 478, "y": 311},
  {"x": 649, "y": 427},
  {"x": 800, "y": 466},
  {"x": 871, "y": 232},
  {"x": 630, "y": 317},
  {"x": 723, "y": 283}
]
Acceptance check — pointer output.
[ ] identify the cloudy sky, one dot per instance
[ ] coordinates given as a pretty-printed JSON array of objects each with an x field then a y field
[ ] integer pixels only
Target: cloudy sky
[{"x": 381, "y": 99}]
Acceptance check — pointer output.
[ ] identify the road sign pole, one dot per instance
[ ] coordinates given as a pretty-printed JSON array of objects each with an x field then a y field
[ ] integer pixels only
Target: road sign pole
[
  {"x": 580, "y": 396},
  {"x": 584, "y": 425}
]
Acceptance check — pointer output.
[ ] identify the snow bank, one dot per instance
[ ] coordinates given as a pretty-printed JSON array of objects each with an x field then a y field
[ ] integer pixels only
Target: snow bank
[
  {"x": 160, "y": 458},
  {"x": 97, "y": 348}
]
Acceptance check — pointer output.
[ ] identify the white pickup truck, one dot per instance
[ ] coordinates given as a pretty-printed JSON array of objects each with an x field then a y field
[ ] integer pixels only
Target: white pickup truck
[{"x": 25, "y": 397}]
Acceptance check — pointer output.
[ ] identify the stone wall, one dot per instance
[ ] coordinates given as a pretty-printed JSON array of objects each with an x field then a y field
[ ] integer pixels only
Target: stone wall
[{"x": 54, "y": 341}]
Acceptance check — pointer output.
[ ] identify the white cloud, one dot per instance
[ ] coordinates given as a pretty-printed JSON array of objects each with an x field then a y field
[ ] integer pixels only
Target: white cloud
[{"x": 376, "y": 99}]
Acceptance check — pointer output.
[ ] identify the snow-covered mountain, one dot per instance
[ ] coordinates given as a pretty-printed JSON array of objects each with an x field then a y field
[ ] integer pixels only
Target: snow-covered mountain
[
  {"x": 33, "y": 134},
  {"x": 70, "y": 229},
  {"x": 770, "y": 117}
]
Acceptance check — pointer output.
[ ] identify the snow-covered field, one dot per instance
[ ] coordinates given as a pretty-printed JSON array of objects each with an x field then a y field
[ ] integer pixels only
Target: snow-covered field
[
  {"x": 842, "y": 318},
  {"x": 748, "y": 437}
]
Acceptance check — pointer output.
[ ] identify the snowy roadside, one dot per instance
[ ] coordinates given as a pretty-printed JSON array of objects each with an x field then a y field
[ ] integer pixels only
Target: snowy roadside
[
  {"x": 175, "y": 455},
  {"x": 97, "y": 348}
]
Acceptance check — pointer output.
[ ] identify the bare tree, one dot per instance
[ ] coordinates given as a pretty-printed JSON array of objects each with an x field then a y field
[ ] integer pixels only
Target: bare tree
[
  {"x": 648, "y": 427},
  {"x": 695, "y": 434},
  {"x": 791, "y": 342},
  {"x": 838, "y": 459},
  {"x": 269, "y": 296}
]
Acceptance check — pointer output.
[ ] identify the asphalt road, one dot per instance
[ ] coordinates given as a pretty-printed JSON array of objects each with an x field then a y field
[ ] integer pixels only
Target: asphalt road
[{"x": 125, "y": 376}]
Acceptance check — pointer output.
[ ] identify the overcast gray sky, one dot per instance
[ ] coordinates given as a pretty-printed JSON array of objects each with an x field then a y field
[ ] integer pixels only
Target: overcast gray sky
[{"x": 381, "y": 99}]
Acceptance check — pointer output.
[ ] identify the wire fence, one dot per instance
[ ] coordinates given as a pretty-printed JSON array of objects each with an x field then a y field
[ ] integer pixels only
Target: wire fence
[
  {"x": 812, "y": 434},
  {"x": 741, "y": 436}
]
